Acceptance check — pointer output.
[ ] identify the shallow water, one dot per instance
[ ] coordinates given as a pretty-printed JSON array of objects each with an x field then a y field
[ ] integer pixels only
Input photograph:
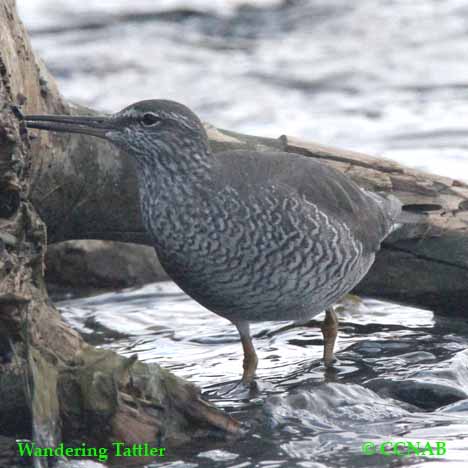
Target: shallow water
[
  {"x": 402, "y": 375},
  {"x": 386, "y": 77}
]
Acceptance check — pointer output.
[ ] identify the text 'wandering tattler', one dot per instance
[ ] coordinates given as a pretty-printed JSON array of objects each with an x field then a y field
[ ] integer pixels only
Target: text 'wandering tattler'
[{"x": 252, "y": 236}]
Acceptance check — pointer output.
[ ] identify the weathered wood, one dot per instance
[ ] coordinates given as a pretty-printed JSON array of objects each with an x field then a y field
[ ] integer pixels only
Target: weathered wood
[{"x": 53, "y": 386}]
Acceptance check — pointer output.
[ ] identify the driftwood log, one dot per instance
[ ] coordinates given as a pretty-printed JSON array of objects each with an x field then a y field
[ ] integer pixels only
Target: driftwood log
[{"x": 53, "y": 386}]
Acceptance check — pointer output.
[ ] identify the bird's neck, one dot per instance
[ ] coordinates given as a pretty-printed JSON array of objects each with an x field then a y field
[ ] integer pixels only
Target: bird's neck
[
  {"x": 174, "y": 157},
  {"x": 178, "y": 168},
  {"x": 170, "y": 184}
]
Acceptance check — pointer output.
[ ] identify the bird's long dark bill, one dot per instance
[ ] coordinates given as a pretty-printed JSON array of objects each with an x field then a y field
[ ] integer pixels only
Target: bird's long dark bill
[{"x": 96, "y": 126}]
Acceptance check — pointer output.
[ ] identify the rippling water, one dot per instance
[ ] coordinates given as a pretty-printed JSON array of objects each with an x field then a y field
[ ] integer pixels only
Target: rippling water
[
  {"x": 384, "y": 76},
  {"x": 402, "y": 375}
]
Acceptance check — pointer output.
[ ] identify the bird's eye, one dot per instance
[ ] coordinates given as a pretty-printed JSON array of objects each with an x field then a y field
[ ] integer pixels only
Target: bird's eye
[{"x": 150, "y": 120}]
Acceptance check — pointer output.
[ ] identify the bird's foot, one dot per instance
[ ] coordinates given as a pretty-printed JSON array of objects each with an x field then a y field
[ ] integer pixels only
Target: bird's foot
[
  {"x": 239, "y": 390},
  {"x": 330, "y": 362}
]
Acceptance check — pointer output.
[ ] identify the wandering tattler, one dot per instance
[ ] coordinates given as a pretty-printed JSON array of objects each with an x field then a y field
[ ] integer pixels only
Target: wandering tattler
[{"x": 252, "y": 236}]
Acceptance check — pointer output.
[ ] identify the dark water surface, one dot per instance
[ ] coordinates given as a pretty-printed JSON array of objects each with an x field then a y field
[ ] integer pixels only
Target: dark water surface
[{"x": 385, "y": 76}]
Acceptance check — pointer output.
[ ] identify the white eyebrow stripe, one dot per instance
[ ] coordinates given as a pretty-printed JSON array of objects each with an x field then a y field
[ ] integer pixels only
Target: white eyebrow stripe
[
  {"x": 129, "y": 113},
  {"x": 136, "y": 113}
]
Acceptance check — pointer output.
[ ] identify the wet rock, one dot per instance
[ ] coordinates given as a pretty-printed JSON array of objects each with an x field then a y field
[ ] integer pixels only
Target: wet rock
[
  {"x": 429, "y": 387},
  {"x": 423, "y": 394},
  {"x": 334, "y": 406},
  {"x": 93, "y": 264}
]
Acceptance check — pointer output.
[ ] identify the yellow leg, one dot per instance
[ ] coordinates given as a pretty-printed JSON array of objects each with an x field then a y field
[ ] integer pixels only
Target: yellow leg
[
  {"x": 250, "y": 356},
  {"x": 329, "y": 331}
]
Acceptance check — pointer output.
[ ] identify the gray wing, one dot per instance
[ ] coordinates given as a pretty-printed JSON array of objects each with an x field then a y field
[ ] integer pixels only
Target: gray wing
[{"x": 369, "y": 216}]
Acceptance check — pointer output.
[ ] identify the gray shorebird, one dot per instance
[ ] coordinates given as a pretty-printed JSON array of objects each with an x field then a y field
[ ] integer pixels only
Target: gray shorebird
[{"x": 252, "y": 236}]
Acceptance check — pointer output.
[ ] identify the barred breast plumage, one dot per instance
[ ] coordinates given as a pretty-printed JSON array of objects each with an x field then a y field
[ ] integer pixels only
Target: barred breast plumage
[{"x": 249, "y": 245}]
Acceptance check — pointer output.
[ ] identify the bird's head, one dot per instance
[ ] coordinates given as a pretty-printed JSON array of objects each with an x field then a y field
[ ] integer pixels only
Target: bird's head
[{"x": 151, "y": 131}]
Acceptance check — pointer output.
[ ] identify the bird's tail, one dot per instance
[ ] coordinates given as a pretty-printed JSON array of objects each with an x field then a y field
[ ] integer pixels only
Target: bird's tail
[
  {"x": 398, "y": 215},
  {"x": 392, "y": 207},
  {"x": 395, "y": 214},
  {"x": 389, "y": 205}
]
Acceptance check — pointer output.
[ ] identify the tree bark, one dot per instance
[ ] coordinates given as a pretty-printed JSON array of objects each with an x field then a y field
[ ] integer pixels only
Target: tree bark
[{"x": 53, "y": 386}]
